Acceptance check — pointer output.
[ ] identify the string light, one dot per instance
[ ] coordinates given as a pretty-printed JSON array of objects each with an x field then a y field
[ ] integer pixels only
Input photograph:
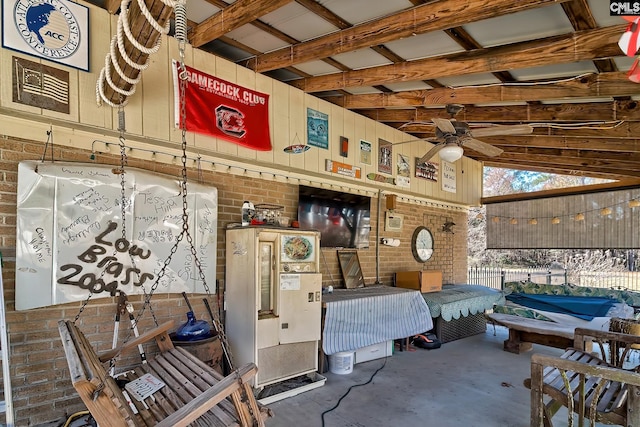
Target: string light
[
  {"x": 580, "y": 216},
  {"x": 479, "y": 216}
]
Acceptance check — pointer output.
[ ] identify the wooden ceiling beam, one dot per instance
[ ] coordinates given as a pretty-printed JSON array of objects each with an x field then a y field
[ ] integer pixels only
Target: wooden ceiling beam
[
  {"x": 592, "y": 111},
  {"x": 612, "y": 84},
  {"x": 464, "y": 39},
  {"x": 235, "y": 15},
  {"x": 579, "y": 13},
  {"x": 576, "y": 157},
  {"x": 597, "y": 165},
  {"x": 548, "y": 113},
  {"x": 433, "y": 16},
  {"x": 581, "y": 45},
  {"x": 324, "y": 13},
  {"x": 621, "y": 131},
  {"x": 631, "y": 145}
]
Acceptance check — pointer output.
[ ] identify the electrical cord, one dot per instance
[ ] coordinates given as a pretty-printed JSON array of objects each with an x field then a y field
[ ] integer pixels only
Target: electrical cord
[
  {"x": 76, "y": 416},
  {"x": 352, "y": 387}
]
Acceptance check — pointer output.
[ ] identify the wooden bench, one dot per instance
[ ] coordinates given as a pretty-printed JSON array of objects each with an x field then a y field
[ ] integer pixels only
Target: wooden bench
[
  {"x": 524, "y": 332},
  {"x": 593, "y": 385},
  {"x": 193, "y": 391}
]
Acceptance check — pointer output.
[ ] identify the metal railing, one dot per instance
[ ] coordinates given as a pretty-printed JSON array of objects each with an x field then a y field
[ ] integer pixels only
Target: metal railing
[{"x": 494, "y": 277}]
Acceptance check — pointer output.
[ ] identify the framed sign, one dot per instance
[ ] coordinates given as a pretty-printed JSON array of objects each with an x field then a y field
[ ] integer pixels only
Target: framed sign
[
  {"x": 426, "y": 170},
  {"x": 57, "y": 30},
  {"x": 385, "y": 157},
  {"x": 448, "y": 177},
  {"x": 365, "y": 152},
  {"x": 317, "y": 129}
]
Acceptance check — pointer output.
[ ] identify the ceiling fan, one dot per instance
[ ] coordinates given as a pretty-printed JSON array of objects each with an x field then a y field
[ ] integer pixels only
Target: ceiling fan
[{"x": 453, "y": 135}]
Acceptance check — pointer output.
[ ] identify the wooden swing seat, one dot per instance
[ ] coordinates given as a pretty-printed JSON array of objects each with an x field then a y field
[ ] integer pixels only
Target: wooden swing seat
[
  {"x": 194, "y": 394},
  {"x": 594, "y": 384}
]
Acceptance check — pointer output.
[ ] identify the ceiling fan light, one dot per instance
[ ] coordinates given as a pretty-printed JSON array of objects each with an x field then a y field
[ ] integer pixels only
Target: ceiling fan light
[{"x": 451, "y": 152}]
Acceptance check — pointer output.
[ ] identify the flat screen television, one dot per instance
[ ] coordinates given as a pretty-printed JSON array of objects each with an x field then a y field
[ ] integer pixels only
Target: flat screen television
[{"x": 343, "y": 219}]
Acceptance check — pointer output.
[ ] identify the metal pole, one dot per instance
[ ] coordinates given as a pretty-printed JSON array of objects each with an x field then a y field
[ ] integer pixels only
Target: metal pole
[
  {"x": 6, "y": 372},
  {"x": 378, "y": 239}
]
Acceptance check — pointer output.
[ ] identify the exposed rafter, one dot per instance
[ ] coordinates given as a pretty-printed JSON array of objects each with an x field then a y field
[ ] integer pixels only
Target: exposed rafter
[
  {"x": 588, "y": 44},
  {"x": 237, "y": 14},
  {"x": 612, "y": 84},
  {"x": 432, "y": 16}
]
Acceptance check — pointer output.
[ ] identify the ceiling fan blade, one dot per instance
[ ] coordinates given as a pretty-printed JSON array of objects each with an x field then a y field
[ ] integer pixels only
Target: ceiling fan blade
[
  {"x": 481, "y": 147},
  {"x": 434, "y": 150},
  {"x": 502, "y": 130},
  {"x": 431, "y": 140},
  {"x": 444, "y": 125}
]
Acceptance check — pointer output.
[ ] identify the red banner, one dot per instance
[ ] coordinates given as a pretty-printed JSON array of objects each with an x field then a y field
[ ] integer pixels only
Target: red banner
[{"x": 223, "y": 109}]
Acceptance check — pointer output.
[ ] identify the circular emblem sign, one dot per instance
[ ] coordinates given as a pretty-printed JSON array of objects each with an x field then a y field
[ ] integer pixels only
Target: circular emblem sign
[{"x": 48, "y": 26}]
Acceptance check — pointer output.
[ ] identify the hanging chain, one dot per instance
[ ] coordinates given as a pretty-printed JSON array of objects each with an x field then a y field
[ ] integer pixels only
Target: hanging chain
[
  {"x": 183, "y": 80},
  {"x": 180, "y": 20},
  {"x": 124, "y": 203}
]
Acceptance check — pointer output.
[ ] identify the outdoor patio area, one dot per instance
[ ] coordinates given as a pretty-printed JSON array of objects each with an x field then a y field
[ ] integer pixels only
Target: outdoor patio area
[{"x": 470, "y": 382}]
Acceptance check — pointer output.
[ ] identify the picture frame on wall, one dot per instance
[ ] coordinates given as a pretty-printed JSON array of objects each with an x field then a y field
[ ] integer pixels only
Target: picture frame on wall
[
  {"x": 385, "y": 157},
  {"x": 55, "y": 30},
  {"x": 365, "y": 152},
  {"x": 317, "y": 129}
]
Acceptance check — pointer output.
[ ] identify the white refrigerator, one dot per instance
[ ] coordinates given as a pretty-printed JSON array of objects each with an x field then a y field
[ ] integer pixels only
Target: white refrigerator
[{"x": 273, "y": 293}]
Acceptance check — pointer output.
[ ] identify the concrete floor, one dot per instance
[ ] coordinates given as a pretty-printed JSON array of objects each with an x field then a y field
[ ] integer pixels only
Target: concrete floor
[{"x": 470, "y": 382}]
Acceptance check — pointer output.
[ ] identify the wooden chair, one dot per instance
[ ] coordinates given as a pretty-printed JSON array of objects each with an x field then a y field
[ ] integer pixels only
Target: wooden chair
[
  {"x": 595, "y": 385},
  {"x": 194, "y": 392}
]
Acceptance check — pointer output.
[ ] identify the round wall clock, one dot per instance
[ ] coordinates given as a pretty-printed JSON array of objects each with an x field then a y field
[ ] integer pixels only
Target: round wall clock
[{"x": 422, "y": 244}]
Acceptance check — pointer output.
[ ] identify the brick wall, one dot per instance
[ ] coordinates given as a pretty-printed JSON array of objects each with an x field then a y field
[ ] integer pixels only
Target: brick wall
[{"x": 39, "y": 372}]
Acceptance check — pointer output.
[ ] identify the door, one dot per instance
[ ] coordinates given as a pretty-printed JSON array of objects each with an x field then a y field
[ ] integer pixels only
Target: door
[{"x": 300, "y": 307}]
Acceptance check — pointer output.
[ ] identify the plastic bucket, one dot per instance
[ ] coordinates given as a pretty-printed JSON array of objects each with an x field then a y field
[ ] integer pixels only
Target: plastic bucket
[{"x": 341, "y": 363}]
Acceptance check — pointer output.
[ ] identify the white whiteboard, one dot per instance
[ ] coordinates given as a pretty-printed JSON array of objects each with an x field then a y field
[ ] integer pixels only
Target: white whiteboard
[{"x": 70, "y": 239}]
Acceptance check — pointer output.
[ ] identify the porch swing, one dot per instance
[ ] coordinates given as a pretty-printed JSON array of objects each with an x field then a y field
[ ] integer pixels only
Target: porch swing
[{"x": 173, "y": 388}]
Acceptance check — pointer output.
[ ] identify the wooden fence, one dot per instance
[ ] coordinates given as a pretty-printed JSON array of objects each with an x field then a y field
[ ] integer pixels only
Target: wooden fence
[{"x": 497, "y": 277}]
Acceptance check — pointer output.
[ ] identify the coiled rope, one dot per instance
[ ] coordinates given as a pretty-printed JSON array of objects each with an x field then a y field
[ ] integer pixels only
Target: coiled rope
[{"x": 124, "y": 30}]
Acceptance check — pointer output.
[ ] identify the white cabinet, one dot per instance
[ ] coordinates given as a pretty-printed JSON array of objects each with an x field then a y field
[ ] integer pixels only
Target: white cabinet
[{"x": 273, "y": 300}]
